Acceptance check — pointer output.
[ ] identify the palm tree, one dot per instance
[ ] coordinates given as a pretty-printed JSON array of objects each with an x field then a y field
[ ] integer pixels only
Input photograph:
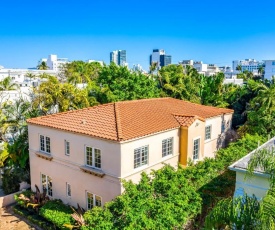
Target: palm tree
[
  {"x": 247, "y": 212},
  {"x": 42, "y": 66},
  {"x": 239, "y": 68},
  {"x": 261, "y": 70},
  {"x": 7, "y": 84}
]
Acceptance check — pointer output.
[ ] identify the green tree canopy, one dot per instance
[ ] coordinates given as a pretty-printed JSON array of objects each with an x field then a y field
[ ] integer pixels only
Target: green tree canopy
[{"x": 116, "y": 83}]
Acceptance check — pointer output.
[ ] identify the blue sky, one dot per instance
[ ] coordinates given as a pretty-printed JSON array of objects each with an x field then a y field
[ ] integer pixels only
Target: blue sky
[{"x": 211, "y": 31}]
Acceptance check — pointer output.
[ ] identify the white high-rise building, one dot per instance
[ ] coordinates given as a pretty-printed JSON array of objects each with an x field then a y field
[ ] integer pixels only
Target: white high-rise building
[
  {"x": 250, "y": 65},
  {"x": 269, "y": 70},
  {"x": 118, "y": 57},
  {"x": 158, "y": 56},
  {"x": 53, "y": 62}
]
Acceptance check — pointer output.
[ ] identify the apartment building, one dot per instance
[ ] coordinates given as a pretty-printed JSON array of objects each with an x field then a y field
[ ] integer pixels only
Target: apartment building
[
  {"x": 118, "y": 57},
  {"x": 158, "y": 56},
  {"x": 81, "y": 156}
]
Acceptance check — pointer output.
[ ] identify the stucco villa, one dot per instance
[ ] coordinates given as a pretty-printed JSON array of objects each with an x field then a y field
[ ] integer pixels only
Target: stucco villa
[
  {"x": 259, "y": 183},
  {"x": 81, "y": 156}
]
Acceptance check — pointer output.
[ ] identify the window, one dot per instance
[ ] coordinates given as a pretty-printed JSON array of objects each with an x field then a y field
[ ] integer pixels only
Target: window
[
  {"x": 67, "y": 148},
  {"x": 223, "y": 126},
  {"x": 47, "y": 184},
  {"x": 208, "y": 132},
  {"x": 68, "y": 189},
  {"x": 93, "y": 200},
  {"x": 45, "y": 144},
  {"x": 93, "y": 157},
  {"x": 273, "y": 63},
  {"x": 167, "y": 146},
  {"x": 196, "y": 149},
  {"x": 140, "y": 156}
]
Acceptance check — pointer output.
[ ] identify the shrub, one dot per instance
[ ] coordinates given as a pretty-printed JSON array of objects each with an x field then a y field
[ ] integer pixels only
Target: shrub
[
  {"x": 57, "y": 213},
  {"x": 98, "y": 218},
  {"x": 10, "y": 181},
  {"x": 22, "y": 203},
  {"x": 33, "y": 218}
]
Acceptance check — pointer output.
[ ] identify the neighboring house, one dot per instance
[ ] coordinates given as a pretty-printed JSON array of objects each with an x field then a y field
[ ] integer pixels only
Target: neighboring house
[
  {"x": 258, "y": 184},
  {"x": 81, "y": 156}
]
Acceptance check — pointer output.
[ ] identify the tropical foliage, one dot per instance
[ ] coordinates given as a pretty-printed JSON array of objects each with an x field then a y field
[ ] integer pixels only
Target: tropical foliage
[{"x": 166, "y": 198}]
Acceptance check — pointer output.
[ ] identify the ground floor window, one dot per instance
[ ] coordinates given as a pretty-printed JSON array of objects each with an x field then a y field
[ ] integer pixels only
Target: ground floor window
[
  {"x": 69, "y": 190},
  {"x": 93, "y": 200},
  {"x": 47, "y": 184}
]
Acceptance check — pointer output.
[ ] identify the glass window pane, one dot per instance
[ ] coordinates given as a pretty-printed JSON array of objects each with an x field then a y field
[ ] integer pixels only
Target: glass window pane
[
  {"x": 90, "y": 200},
  {"x": 50, "y": 186},
  {"x": 97, "y": 158},
  {"x": 89, "y": 156},
  {"x": 67, "y": 148},
  {"x": 42, "y": 143},
  {"x": 69, "y": 192},
  {"x": 48, "y": 145},
  {"x": 97, "y": 201}
]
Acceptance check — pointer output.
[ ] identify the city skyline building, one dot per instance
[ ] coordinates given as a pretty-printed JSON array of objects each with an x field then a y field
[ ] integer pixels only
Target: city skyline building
[
  {"x": 118, "y": 57},
  {"x": 158, "y": 56}
]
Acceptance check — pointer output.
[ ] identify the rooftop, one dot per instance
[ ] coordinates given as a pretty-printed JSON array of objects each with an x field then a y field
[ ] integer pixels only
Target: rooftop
[
  {"x": 242, "y": 164},
  {"x": 127, "y": 120}
]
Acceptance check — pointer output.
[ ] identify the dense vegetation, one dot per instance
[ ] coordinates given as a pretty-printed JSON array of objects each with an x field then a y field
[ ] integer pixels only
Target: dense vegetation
[{"x": 167, "y": 198}]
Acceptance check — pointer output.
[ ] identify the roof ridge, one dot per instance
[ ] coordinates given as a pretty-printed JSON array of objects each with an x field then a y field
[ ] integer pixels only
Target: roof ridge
[
  {"x": 143, "y": 99},
  {"x": 183, "y": 115},
  {"x": 118, "y": 123}
]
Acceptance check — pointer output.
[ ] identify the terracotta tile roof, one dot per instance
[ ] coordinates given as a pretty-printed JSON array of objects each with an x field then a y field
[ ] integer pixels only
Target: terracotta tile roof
[
  {"x": 129, "y": 119},
  {"x": 186, "y": 121}
]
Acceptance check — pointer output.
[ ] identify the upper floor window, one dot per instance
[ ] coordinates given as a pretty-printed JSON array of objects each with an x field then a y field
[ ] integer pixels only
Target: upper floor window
[
  {"x": 141, "y": 156},
  {"x": 93, "y": 200},
  {"x": 93, "y": 157},
  {"x": 208, "y": 132},
  {"x": 167, "y": 146},
  {"x": 45, "y": 144},
  {"x": 47, "y": 185},
  {"x": 67, "y": 148},
  {"x": 196, "y": 149},
  {"x": 273, "y": 63}
]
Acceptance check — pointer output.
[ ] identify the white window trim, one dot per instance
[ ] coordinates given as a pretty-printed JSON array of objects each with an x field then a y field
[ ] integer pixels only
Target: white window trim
[
  {"x": 94, "y": 200},
  {"x": 145, "y": 165},
  {"x": 45, "y": 145},
  {"x": 172, "y": 149},
  {"x": 65, "y": 143},
  {"x": 93, "y": 157},
  {"x": 210, "y": 132},
  {"x": 199, "y": 153}
]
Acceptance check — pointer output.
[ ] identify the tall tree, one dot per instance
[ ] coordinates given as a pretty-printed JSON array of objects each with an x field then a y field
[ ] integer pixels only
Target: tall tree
[
  {"x": 7, "y": 84},
  {"x": 42, "y": 66},
  {"x": 239, "y": 68},
  {"x": 52, "y": 96},
  {"x": 78, "y": 72},
  {"x": 175, "y": 82},
  {"x": 117, "y": 83}
]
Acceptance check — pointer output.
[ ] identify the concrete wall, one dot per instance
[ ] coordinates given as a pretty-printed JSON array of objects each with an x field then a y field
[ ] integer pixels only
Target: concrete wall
[
  {"x": 217, "y": 138},
  {"x": 66, "y": 169},
  {"x": 195, "y": 131},
  {"x": 257, "y": 185},
  {"x": 155, "y": 159}
]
